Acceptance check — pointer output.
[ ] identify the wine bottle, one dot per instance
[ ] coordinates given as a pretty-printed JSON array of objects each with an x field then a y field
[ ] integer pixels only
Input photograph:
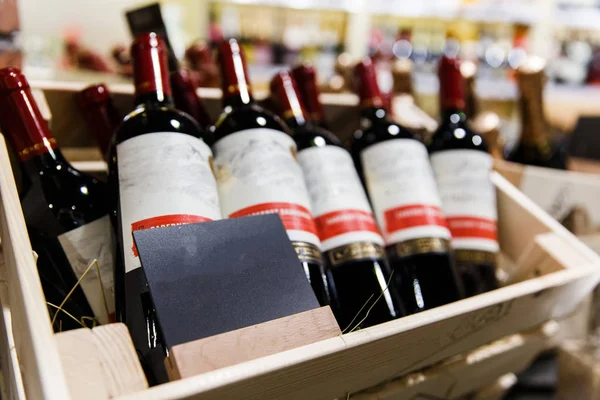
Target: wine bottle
[
  {"x": 404, "y": 110},
  {"x": 462, "y": 166},
  {"x": 161, "y": 176},
  {"x": 357, "y": 273},
  {"x": 186, "y": 98},
  {"x": 486, "y": 123},
  {"x": 65, "y": 212},
  {"x": 403, "y": 192},
  {"x": 306, "y": 80},
  {"x": 99, "y": 113},
  {"x": 535, "y": 147},
  {"x": 257, "y": 168}
]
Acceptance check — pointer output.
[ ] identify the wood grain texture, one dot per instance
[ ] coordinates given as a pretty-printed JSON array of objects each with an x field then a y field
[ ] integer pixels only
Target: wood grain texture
[
  {"x": 100, "y": 363},
  {"x": 12, "y": 383},
  {"x": 578, "y": 372},
  {"x": 38, "y": 355},
  {"x": 465, "y": 374},
  {"x": 350, "y": 363},
  {"x": 252, "y": 342},
  {"x": 498, "y": 389}
]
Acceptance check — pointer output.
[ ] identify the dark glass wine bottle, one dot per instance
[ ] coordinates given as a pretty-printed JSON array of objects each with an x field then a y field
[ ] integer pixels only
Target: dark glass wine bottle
[
  {"x": 462, "y": 165},
  {"x": 401, "y": 186},
  {"x": 186, "y": 97},
  {"x": 535, "y": 146},
  {"x": 357, "y": 273},
  {"x": 65, "y": 212},
  {"x": 308, "y": 89},
  {"x": 257, "y": 169},
  {"x": 161, "y": 176},
  {"x": 100, "y": 115}
]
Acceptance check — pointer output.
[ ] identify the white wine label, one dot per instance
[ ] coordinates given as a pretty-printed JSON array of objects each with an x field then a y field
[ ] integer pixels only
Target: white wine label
[
  {"x": 403, "y": 191},
  {"x": 165, "y": 179},
  {"x": 83, "y": 245},
  {"x": 258, "y": 173},
  {"x": 340, "y": 206},
  {"x": 468, "y": 198}
]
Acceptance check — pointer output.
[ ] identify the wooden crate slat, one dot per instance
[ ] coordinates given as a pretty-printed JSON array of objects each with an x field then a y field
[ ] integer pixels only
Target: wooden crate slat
[{"x": 38, "y": 355}]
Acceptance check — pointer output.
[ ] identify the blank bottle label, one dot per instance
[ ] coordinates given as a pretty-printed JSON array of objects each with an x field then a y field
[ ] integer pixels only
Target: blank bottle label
[
  {"x": 258, "y": 173},
  {"x": 403, "y": 191},
  {"x": 83, "y": 245},
  {"x": 468, "y": 197},
  {"x": 342, "y": 212},
  {"x": 165, "y": 179}
]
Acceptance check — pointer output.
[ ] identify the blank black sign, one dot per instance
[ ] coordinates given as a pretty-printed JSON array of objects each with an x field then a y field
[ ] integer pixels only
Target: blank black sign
[{"x": 213, "y": 277}]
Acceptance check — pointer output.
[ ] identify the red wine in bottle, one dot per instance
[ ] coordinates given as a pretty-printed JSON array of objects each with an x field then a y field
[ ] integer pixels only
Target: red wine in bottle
[
  {"x": 257, "y": 168},
  {"x": 401, "y": 186},
  {"x": 65, "y": 212},
  {"x": 462, "y": 165},
  {"x": 99, "y": 113},
  {"x": 161, "y": 176},
  {"x": 535, "y": 146},
  {"x": 357, "y": 272},
  {"x": 186, "y": 98},
  {"x": 308, "y": 89}
]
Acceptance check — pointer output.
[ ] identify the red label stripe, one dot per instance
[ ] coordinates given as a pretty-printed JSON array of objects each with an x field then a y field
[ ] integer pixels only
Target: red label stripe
[
  {"x": 345, "y": 221},
  {"x": 293, "y": 216},
  {"x": 413, "y": 215},
  {"x": 473, "y": 227},
  {"x": 163, "y": 221}
]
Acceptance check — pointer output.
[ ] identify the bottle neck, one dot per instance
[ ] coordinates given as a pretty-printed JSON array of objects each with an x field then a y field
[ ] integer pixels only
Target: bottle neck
[
  {"x": 295, "y": 122},
  {"x": 102, "y": 119},
  {"x": 454, "y": 115},
  {"x": 154, "y": 100},
  {"x": 374, "y": 113},
  {"x": 24, "y": 126},
  {"x": 533, "y": 121},
  {"x": 471, "y": 103},
  {"x": 238, "y": 99}
]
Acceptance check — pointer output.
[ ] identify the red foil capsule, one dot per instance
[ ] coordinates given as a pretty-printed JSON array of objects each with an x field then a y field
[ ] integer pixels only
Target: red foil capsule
[
  {"x": 234, "y": 79},
  {"x": 20, "y": 118},
  {"x": 150, "y": 71},
  {"x": 452, "y": 92},
  {"x": 284, "y": 95},
  {"x": 365, "y": 84}
]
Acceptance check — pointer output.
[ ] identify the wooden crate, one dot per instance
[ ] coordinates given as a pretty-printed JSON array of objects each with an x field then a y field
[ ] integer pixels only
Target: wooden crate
[
  {"x": 550, "y": 272},
  {"x": 554, "y": 271}
]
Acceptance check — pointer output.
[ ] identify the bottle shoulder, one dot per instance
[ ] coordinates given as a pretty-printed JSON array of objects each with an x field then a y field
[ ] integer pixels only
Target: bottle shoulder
[
  {"x": 313, "y": 136},
  {"x": 250, "y": 116},
  {"x": 457, "y": 136},
  {"x": 374, "y": 132},
  {"x": 144, "y": 120},
  {"x": 61, "y": 198}
]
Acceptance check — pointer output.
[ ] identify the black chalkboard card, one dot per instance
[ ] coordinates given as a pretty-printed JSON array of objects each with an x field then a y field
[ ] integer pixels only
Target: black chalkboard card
[{"x": 213, "y": 277}]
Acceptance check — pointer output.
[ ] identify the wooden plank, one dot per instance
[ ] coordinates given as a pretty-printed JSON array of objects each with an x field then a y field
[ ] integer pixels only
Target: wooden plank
[
  {"x": 100, "y": 363},
  {"x": 548, "y": 253},
  {"x": 521, "y": 220},
  {"x": 240, "y": 345},
  {"x": 498, "y": 389},
  {"x": 12, "y": 385},
  {"x": 38, "y": 356},
  {"x": 578, "y": 372},
  {"x": 465, "y": 374},
  {"x": 335, "y": 367}
]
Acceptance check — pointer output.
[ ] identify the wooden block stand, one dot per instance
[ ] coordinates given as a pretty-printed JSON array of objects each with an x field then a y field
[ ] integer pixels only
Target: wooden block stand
[{"x": 549, "y": 270}]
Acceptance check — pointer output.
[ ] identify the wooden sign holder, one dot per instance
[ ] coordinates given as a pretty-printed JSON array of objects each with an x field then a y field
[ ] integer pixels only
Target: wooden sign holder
[{"x": 252, "y": 342}]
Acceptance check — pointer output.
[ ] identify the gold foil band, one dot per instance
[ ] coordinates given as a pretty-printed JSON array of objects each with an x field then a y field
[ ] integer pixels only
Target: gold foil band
[
  {"x": 37, "y": 147},
  {"x": 420, "y": 246},
  {"x": 475, "y": 257},
  {"x": 354, "y": 251},
  {"x": 307, "y": 252}
]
